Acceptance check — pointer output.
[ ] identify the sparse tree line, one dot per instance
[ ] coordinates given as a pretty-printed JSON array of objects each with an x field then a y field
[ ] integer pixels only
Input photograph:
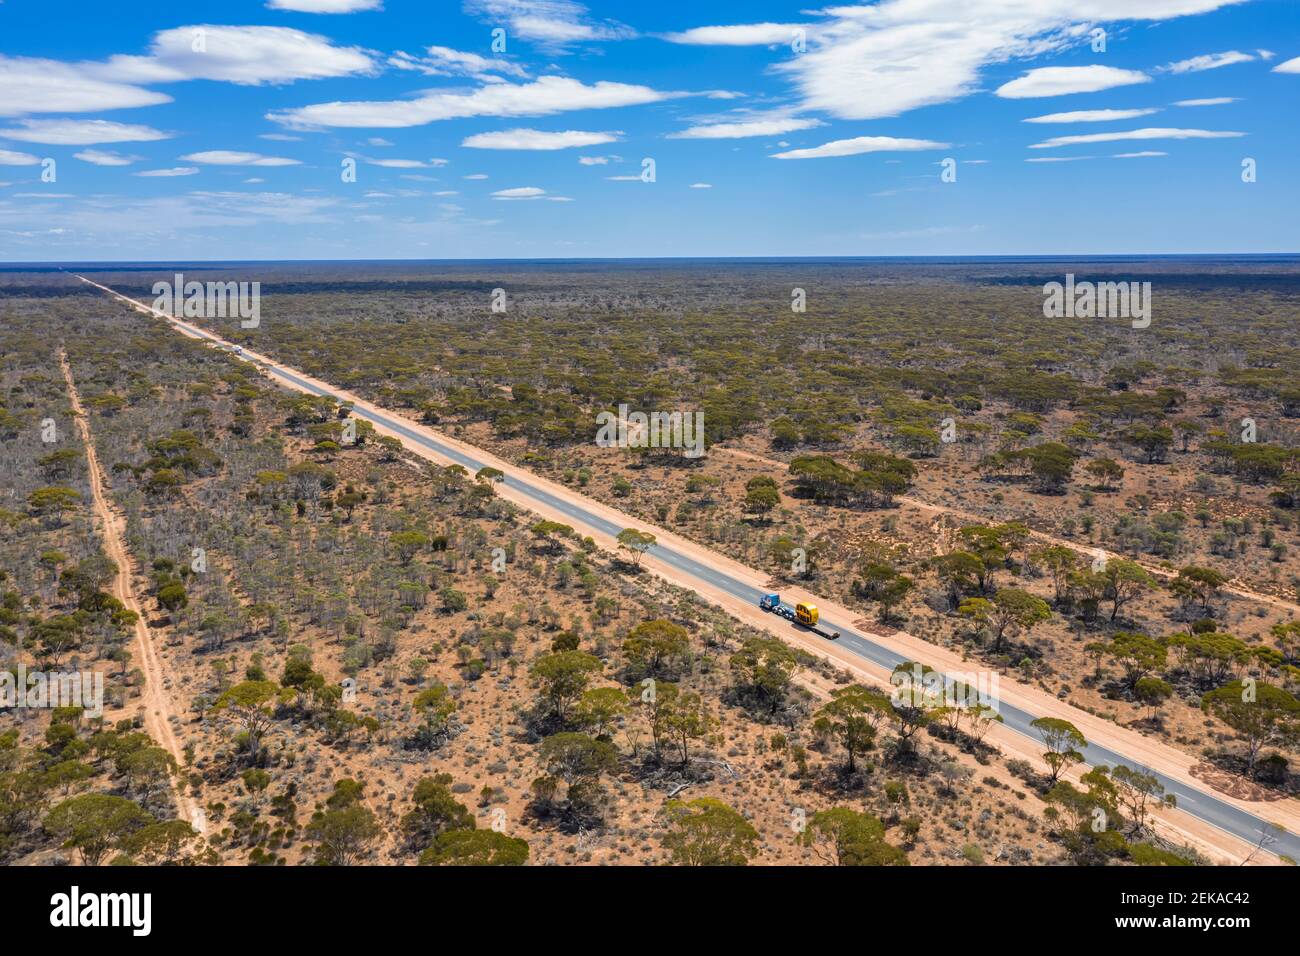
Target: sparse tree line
[
  {"x": 1248, "y": 687},
  {"x": 72, "y": 781}
]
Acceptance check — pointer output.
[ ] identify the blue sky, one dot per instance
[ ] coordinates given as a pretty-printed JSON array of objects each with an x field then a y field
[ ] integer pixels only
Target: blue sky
[{"x": 220, "y": 130}]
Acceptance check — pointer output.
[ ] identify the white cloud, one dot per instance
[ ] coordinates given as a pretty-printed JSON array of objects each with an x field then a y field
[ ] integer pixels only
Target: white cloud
[
  {"x": 245, "y": 55},
  {"x": 759, "y": 126},
  {"x": 1208, "y": 101},
  {"x": 542, "y": 97},
  {"x": 280, "y": 137},
  {"x": 249, "y": 56},
  {"x": 403, "y": 163},
  {"x": 554, "y": 24},
  {"x": 528, "y": 192},
  {"x": 476, "y": 176},
  {"x": 1288, "y": 66},
  {"x": 174, "y": 171},
  {"x": 1063, "y": 80},
  {"x": 10, "y": 158},
  {"x": 103, "y": 157},
  {"x": 231, "y": 157},
  {"x": 593, "y": 160},
  {"x": 868, "y": 61},
  {"x": 252, "y": 179},
  {"x": 325, "y": 6},
  {"x": 1058, "y": 159},
  {"x": 535, "y": 139},
  {"x": 444, "y": 61},
  {"x": 746, "y": 34},
  {"x": 1140, "y": 155},
  {"x": 29, "y": 85},
  {"x": 860, "y": 144},
  {"x": 1148, "y": 133},
  {"x": 378, "y": 141},
  {"x": 701, "y": 185},
  {"x": 1090, "y": 116},
  {"x": 1208, "y": 61},
  {"x": 74, "y": 132}
]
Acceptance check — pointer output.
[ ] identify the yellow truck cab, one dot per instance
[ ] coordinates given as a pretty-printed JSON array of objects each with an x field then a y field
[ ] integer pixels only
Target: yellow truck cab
[{"x": 806, "y": 613}]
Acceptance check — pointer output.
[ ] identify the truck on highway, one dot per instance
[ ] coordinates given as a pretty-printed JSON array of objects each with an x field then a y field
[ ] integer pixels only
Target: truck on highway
[{"x": 802, "y": 614}]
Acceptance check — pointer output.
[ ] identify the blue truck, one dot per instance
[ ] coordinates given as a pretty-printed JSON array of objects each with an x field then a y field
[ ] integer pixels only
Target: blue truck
[{"x": 802, "y": 614}]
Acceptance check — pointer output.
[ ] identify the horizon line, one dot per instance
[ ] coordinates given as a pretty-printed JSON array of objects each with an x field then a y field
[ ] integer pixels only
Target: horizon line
[{"x": 7, "y": 263}]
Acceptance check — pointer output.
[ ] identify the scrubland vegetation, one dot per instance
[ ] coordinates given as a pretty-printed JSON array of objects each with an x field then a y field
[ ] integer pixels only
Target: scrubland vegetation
[{"x": 380, "y": 660}]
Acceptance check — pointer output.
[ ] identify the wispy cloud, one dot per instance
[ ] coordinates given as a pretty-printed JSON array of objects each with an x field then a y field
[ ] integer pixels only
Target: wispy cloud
[
  {"x": 396, "y": 163},
  {"x": 102, "y": 157},
  {"x": 1148, "y": 133},
  {"x": 535, "y": 139},
  {"x": 9, "y": 157},
  {"x": 1208, "y": 61},
  {"x": 858, "y": 145},
  {"x": 553, "y": 24},
  {"x": 756, "y": 126},
  {"x": 75, "y": 132},
  {"x": 745, "y": 34},
  {"x": 325, "y": 6},
  {"x": 528, "y": 192},
  {"x": 1090, "y": 116},
  {"x": 445, "y": 61},
  {"x": 1064, "y": 80},
  {"x": 232, "y": 157},
  {"x": 542, "y": 97}
]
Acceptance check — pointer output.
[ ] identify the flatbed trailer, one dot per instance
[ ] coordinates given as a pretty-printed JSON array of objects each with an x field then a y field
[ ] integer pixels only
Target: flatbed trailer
[{"x": 802, "y": 614}]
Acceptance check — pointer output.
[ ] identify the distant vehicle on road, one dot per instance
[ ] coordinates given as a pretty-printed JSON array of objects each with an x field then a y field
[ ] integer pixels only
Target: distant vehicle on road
[{"x": 802, "y": 613}]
